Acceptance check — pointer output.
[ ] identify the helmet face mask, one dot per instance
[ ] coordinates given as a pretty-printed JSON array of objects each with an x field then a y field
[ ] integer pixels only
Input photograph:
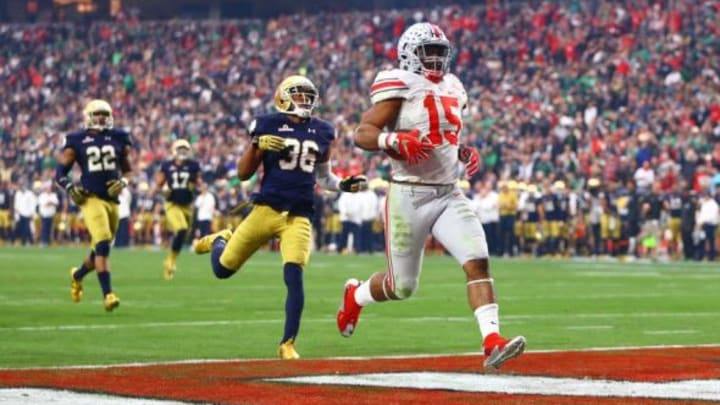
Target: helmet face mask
[
  {"x": 424, "y": 49},
  {"x": 182, "y": 153},
  {"x": 435, "y": 58},
  {"x": 296, "y": 95},
  {"x": 302, "y": 100},
  {"x": 181, "y": 150},
  {"x": 98, "y": 115}
]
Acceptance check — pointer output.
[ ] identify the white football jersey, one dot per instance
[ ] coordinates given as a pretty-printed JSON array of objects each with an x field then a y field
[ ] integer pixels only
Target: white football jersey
[{"x": 434, "y": 109}]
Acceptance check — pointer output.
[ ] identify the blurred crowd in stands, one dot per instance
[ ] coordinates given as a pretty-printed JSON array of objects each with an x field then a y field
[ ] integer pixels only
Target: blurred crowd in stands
[{"x": 621, "y": 94}]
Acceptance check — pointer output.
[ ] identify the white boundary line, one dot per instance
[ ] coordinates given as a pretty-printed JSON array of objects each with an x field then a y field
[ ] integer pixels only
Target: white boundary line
[
  {"x": 411, "y": 356},
  {"x": 520, "y": 385}
]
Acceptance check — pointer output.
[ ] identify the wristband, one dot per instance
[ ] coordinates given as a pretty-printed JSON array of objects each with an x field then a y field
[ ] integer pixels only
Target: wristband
[{"x": 383, "y": 140}]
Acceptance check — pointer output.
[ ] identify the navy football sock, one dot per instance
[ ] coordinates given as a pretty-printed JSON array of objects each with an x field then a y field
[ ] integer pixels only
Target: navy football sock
[
  {"x": 218, "y": 247},
  {"x": 178, "y": 240},
  {"x": 295, "y": 300},
  {"x": 83, "y": 270},
  {"x": 104, "y": 277}
]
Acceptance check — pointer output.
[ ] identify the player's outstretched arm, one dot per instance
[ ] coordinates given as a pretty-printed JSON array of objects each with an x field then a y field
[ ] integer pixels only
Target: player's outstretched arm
[
  {"x": 249, "y": 162},
  {"x": 329, "y": 181}
]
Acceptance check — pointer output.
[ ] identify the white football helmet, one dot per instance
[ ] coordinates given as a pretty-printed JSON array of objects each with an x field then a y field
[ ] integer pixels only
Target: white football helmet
[
  {"x": 424, "y": 49},
  {"x": 181, "y": 149},
  {"x": 296, "y": 95},
  {"x": 98, "y": 115}
]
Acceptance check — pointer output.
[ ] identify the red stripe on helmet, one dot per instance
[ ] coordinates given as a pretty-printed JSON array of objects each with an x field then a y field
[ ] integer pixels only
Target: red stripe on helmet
[{"x": 436, "y": 31}]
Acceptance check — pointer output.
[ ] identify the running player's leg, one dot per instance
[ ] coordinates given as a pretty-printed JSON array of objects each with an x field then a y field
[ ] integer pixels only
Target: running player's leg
[
  {"x": 409, "y": 213},
  {"x": 78, "y": 273},
  {"x": 228, "y": 255},
  {"x": 295, "y": 239},
  {"x": 178, "y": 223},
  {"x": 459, "y": 229},
  {"x": 101, "y": 219}
]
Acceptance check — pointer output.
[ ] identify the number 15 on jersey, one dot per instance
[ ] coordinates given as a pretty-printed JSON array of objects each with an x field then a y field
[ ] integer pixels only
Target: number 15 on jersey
[{"x": 449, "y": 121}]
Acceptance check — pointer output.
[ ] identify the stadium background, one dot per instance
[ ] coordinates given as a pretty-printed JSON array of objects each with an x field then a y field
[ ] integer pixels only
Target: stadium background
[{"x": 565, "y": 91}]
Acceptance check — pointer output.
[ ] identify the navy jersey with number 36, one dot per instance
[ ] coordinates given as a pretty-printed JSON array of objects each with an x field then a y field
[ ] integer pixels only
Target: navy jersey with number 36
[
  {"x": 98, "y": 154},
  {"x": 288, "y": 182}
]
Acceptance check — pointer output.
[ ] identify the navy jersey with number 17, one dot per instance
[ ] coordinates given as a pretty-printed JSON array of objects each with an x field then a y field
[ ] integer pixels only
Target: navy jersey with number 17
[
  {"x": 181, "y": 177},
  {"x": 98, "y": 154},
  {"x": 288, "y": 182}
]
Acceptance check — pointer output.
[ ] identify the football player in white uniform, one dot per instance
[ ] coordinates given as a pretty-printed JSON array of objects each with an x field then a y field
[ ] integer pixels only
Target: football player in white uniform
[{"x": 415, "y": 118}]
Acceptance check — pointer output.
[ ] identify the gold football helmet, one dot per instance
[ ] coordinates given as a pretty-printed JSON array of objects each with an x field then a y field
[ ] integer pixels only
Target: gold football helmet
[
  {"x": 98, "y": 115},
  {"x": 296, "y": 95},
  {"x": 181, "y": 149}
]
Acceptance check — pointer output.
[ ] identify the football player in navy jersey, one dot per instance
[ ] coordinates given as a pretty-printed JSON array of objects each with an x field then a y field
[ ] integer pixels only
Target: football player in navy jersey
[
  {"x": 177, "y": 179},
  {"x": 294, "y": 150},
  {"x": 102, "y": 154}
]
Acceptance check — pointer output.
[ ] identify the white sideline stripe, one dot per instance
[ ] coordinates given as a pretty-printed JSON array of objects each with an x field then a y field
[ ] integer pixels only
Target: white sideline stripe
[
  {"x": 671, "y": 332},
  {"x": 589, "y": 327},
  {"x": 36, "y": 396},
  {"x": 509, "y": 318},
  {"x": 399, "y": 357},
  {"x": 509, "y": 384}
]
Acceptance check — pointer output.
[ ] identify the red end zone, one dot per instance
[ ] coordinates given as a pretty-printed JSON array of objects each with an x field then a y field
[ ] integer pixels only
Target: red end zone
[{"x": 243, "y": 382}]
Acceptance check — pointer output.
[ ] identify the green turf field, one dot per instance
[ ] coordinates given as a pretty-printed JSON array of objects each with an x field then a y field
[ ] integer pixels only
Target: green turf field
[{"x": 555, "y": 304}]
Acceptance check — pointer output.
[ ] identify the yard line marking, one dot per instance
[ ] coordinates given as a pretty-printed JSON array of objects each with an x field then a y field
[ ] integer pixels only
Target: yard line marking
[
  {"x": 149, "y": 303},
  {"x": 589, "y": 327},
  {"x": 138, "y": 325},
  {"x": 670, "y": 332},
  {"x": 398, "y": 357},
  {"x": 515, "y": 384},
  {"x": 509, "y": 318}
]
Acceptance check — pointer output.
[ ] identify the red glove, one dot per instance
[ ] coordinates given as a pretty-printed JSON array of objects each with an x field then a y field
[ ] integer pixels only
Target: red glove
[
  {"x": 407, "y": 145},
  {"x": 471, "y": 158}
]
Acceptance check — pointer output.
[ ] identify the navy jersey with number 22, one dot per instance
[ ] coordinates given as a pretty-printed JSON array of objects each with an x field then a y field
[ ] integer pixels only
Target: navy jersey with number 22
[
  {"x": 98, "y": 154},
  {"x": 288, "y": 182}
]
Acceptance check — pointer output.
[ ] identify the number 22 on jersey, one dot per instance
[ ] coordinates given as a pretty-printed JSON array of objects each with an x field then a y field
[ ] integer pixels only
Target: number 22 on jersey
[
  {"x": 450, "y": 115},
  {"x": 100, "y": 158}
]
